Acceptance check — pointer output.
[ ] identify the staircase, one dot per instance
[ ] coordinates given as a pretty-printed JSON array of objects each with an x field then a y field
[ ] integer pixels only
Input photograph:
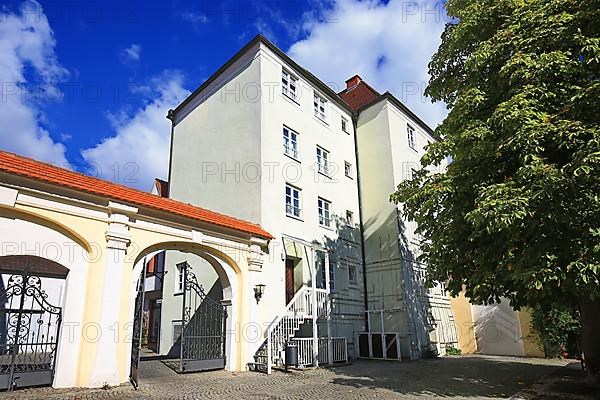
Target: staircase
[{"x": 300, "y": 308}]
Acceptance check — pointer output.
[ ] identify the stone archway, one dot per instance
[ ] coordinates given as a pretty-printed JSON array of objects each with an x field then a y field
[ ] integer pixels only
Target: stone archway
[
  {"x": 200, "y": 258},
  {"x": 53, "y": 262}
]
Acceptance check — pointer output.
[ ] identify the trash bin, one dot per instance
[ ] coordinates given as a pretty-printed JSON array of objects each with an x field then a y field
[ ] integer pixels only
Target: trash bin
[{"x": 291, "y": 354}]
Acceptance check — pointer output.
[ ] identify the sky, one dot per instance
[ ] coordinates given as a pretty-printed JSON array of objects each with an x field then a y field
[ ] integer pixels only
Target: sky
[{"x": 86, "y": 84}]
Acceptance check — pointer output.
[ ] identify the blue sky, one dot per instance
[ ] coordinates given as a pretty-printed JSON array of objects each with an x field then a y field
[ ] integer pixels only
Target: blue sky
[{"x": 87, "y": 84}]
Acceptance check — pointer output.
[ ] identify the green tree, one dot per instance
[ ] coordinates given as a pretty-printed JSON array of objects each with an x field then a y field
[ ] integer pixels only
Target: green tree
[
  {"x": 557, "y": 328},
  {"x": 517, "y": 212}
]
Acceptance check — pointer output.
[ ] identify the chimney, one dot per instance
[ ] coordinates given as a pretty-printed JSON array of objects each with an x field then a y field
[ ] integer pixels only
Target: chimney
[{"x": 355, "y": 80}]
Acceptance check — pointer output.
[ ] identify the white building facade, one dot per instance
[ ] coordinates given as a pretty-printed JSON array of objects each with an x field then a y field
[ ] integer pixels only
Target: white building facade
[{"x": 266, "y": 141}]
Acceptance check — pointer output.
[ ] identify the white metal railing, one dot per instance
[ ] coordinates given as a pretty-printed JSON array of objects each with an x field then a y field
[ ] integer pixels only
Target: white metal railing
[
  {"x": 305, "y": 350},
  {"x": 289, "y": 321}
]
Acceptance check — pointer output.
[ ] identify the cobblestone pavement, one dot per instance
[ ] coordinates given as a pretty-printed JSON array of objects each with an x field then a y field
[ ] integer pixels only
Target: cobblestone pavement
[{"x": 466, "y": 377}]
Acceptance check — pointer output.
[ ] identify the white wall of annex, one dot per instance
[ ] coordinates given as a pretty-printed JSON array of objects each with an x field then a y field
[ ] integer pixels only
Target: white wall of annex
[{"x": 216, "y": 146}]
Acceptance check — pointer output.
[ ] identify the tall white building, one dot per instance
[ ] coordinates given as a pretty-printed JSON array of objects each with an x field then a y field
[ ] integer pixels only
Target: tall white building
[{"x": 266, "y": 141}]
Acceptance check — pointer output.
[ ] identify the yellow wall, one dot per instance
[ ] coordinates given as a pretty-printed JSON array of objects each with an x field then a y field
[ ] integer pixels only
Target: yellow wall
[
  {"x": 89, "y": 228},
  {"x": 531, "y": 342},
  {"x": 465, "y": 326}
]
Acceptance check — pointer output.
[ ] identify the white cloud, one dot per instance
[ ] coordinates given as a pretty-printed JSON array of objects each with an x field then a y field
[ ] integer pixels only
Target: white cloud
[
  {"x": 29, "y": 75},
  {"x": 388, "y": 45},
  {"x": 132, "y": 53},
  {"x": 139, "y": 150}
]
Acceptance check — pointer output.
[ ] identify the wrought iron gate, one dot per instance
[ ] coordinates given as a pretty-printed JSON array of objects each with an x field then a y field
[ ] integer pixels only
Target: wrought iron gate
[
  {"x": 136, "y": 339},
  {"x": 203, "y": 327},
  {"x": 30, "y": 330}
]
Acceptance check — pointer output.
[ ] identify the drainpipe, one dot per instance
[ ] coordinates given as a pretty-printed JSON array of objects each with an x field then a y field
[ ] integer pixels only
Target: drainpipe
[
  {"x": 360, "y": 217},
  {"x": 171, "y": 117}
]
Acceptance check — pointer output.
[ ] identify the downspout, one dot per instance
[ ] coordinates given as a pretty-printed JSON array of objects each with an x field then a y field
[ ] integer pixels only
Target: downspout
[
  {"x": 360, "y": 217},
  {"x": 170, "y": 117}
]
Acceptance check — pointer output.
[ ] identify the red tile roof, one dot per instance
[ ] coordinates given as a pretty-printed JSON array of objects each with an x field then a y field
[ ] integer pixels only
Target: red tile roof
[
  {"x": 29, "y": 168},
  {"x": 358, "y": 93}
]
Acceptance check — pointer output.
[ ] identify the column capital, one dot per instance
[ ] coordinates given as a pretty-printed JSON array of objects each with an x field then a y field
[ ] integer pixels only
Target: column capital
[{"x": 256, "y": 251}]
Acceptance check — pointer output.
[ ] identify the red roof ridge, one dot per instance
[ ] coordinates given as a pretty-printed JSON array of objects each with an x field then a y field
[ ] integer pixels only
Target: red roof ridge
[{"x": 49, "y": 173}]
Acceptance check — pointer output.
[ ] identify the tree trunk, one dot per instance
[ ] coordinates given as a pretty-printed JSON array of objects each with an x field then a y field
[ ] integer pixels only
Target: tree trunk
[{"x": 590, "y": 336}]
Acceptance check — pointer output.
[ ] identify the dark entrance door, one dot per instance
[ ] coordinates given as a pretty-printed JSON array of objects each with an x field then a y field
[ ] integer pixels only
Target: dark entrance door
[
  {"x": 203, "y": 328},
  {"x": 136, "y": 339},
  {"x": 30, "y": 327},
  {"x": 289, "y": 280}
]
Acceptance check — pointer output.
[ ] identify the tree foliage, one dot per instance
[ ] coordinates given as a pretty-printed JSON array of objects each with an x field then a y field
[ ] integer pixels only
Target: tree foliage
[
  {"x": 558, "y": 328},
  {"x": 517, "y": 213}
]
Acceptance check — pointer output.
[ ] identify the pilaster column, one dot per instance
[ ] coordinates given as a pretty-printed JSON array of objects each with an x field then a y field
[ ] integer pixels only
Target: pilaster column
[{"x": 106, "y": 365}]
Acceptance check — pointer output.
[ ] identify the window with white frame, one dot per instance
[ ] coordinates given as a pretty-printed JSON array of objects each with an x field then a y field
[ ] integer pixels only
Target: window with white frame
[
  {"x": 323, "y": 160},
  {"x": 352, "y": 273},
  {"x": 289, "y": 84},
  {"x": 412, "y": 141},
  {"x": 176, "y": 325},
  {"x": 348, "y": 169},
  {"x": 292, "y": 201},
  {"x": 345, "y": 125},
  {"x": 324, "y": 212},
  {"x": 349, "y": 218},
  {"x": 290, "y": 142},
  {"x": 320, "y": 107},
  {"x": 180, "y": 278}
]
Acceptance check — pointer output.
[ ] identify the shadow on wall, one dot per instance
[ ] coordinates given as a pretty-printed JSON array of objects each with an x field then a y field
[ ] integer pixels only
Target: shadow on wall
[
  {"x": 197, "y": 322},
  {"x": 396, "y": 281},
  {"x": 451, "y": 377},
  {"x": 346, "y": 260}
]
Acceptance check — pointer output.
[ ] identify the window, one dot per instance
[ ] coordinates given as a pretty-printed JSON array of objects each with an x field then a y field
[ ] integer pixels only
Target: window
[
  {"x": 323, "y": 160},
  {"x": 292, "y": 201},
  {"x": 290, "y": 142},
  {"x": 331, "y": 276},
  {"x": 180, "y": 278},
  {"x": 324, "y": 212},
  {"x": 348, "y": 169},
  {"x": 289, "y": 84},
  {"x": 176, "y": 330},
  {"x": 352, "y": 273},
  {"x": 349, "y": 218},
  {"x": 411, "y": 137},
  {"x": 321, "y": 261},
  {"x": 345, "y": 125},
  {"x": 320, "y": 106}
]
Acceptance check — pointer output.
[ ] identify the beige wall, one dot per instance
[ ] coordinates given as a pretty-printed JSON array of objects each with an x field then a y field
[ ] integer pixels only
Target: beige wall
[
  {"x": 465, "y": 326},
  {"x": 495, "y": 329},
  {"x": 103, "y": 245}
]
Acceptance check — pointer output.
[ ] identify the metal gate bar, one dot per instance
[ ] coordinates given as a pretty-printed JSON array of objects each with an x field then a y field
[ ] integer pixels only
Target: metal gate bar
[
  {"x": 203, "y": 327},
  {"x": 31, "y": 332}
]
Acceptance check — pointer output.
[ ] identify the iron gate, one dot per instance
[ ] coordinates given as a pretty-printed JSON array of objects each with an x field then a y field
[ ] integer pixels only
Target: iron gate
[
  {"x": 31, "y": 327},
  {"x": 136, "y": 339},
  {"x": 203, "y": 327}
]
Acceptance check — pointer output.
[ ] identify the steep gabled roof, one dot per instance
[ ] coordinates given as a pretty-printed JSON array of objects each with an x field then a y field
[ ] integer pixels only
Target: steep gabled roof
[
  {"x": 26, "y": 167},
  {"x": 358, "y": 93}
]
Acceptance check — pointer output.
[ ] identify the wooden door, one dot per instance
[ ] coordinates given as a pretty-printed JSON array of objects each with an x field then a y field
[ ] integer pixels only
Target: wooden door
[{"x": 289, "y": 281}]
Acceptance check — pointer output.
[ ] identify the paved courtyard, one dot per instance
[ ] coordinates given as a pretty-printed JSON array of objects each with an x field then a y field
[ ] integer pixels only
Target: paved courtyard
[{"x": 467, "y": 377}]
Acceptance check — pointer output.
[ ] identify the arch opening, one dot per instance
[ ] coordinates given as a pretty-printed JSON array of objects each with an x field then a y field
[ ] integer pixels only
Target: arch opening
[
  {"x": 186, "y": 318},
  {"x": 51, "y": 263}
]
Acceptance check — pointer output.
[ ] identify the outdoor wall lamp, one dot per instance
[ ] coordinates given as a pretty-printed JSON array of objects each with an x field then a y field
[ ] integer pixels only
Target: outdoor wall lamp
[{"x": 258, "y": 292}]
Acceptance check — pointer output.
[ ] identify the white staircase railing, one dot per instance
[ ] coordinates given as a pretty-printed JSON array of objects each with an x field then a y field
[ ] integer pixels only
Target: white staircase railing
[{"x": 289, "y": 321}]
